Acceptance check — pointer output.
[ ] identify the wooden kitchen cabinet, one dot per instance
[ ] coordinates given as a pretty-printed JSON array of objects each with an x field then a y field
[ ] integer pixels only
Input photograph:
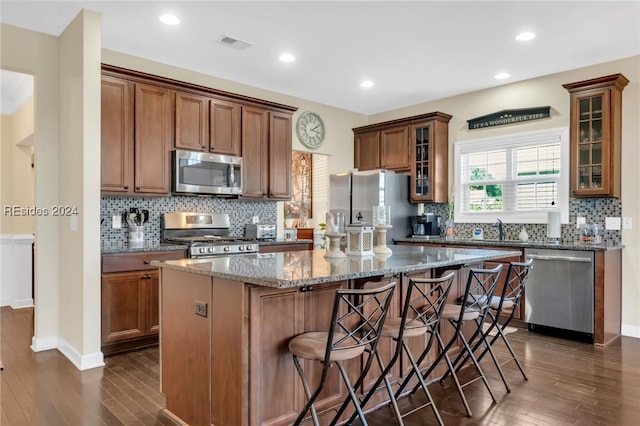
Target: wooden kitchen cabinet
[
  {"x": 136, "y": 128},
  {"x": 430, "y": 160},
  {"x": 595, "y": 133},
  {"x": 116, "y": 135},
  {"x": 278, "y": 248},
  {"x": 207, "y": 124},
  {"x": 266, "y": 154},
  {"x": 418, "y": 144},
  {"x": 130, "y": 316},
  {"x": 382, "y": 149},
  {"x": 366, "y": 150}
]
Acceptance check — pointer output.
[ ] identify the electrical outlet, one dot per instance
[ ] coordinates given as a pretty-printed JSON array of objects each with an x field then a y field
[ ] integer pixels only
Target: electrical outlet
[
  {"x": 580, "y": 220},
  {"x": 626, "y": 223},
  {"x": 201, "y": 308},
  {"x": 255, "y": 219},
  {"x": 612, "y": 223},
  {"x": 116, "y": 222}
]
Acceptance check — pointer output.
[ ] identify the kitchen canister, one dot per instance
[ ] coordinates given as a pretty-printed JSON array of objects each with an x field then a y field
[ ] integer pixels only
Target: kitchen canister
[{"x": 136, "y": 236}]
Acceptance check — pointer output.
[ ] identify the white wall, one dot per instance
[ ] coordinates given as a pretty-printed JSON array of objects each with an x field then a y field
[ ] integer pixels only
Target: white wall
[
  {"x": 549, "y": 91},
  {"x": 37, "y": 54},
  {"x": 67, "y": 143}
]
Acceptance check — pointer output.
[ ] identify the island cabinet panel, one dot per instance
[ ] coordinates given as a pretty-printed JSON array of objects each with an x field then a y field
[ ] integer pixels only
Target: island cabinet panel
[
  {"x": 271, "y": 364},
  {"x": 186, "y": 347}
]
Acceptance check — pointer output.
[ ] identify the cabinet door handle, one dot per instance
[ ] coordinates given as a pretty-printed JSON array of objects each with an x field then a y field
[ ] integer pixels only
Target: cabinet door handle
[
  {"x": 306, "y": 288},
  {"x": 126, "y": 187},
  {"x": 137, "y": 188}
]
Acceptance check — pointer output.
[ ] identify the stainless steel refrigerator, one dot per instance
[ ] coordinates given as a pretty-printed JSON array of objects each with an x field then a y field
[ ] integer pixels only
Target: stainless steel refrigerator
[{"x": 357, "y": 192}]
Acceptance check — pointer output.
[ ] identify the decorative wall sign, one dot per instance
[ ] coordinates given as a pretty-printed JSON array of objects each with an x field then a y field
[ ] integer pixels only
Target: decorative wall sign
[{"x": 509, "y": 116}]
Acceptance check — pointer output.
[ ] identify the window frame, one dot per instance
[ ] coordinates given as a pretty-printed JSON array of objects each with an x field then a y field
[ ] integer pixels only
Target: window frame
[{"x": 511, "y": 141}]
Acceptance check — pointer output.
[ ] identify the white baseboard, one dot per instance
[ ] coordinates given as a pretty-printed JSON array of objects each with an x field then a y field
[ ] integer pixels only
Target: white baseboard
[
  {"x": 630, "y": 330},
  {"x": 39, "y": 344},
  {"x": 82, "y": 362},
  {"x": 22, "y": 303}
]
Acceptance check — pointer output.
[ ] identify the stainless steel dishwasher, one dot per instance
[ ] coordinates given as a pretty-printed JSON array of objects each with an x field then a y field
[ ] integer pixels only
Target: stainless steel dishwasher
[{"x": 559, "y": 292}]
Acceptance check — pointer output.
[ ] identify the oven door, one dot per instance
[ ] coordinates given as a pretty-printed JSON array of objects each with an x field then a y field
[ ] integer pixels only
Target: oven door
[{"x": 204, "y": 173}]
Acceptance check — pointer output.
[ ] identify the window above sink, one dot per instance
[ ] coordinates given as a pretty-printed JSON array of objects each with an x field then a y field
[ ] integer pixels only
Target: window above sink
[{"x": 518, "y": 178}]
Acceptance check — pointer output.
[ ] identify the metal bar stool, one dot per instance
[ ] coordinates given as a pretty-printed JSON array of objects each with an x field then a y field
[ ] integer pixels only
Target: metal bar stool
[
  {"x": 356, "y": 323},
  {"x": 473, "y": 306},
  {"x": 508, "y": 301},
  {"x": 421, "y": 312}
]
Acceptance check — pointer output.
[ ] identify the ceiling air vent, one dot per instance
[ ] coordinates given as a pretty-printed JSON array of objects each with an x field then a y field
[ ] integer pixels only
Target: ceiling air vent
[{"x": 234, "y": 42}]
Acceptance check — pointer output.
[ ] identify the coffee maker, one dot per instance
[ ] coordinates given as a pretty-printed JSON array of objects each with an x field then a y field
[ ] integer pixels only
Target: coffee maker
[{"x": 426, "y": 225}]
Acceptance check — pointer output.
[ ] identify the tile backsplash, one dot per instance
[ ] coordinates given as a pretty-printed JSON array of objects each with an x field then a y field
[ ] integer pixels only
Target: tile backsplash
[
  {"x": 595, "y": 210},
  {"x": 240, "y": 213}
]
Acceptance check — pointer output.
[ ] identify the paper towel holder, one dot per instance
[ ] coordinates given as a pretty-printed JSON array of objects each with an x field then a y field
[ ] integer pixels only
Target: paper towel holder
[{"x": 553, "y": 227}]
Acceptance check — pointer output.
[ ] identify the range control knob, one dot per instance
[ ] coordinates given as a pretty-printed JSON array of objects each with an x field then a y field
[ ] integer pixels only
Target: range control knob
[
  {"x": 211, "y": 249},
  {"x": 202, "y": 250},
  {"x": 241, "y": 248},
  {"x": 227, "y": 248},
  {"x": 249, "y": 247}
]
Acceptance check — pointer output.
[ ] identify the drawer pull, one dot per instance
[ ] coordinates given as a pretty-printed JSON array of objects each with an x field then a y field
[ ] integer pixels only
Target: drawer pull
[
  {"x": 306, "y": 288},
  {"x": 146, "y": 262}
]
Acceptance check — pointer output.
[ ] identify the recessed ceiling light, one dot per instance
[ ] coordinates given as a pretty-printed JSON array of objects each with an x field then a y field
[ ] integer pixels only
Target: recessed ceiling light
[
  {"x": 501, "y": 76},
  {"x": 367, "y": 83},
  {"x": 287, "y": 57},
  {"x": 169, "y": 19},
  {"x": 525, "y": 36}
]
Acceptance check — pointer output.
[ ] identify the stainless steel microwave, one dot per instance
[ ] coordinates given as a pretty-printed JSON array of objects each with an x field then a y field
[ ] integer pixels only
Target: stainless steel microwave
[{"x": 205, "y": 173}]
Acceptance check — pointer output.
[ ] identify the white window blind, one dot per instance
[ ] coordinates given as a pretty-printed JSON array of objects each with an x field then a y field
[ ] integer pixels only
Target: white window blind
[{"x": 516, "y": 178}]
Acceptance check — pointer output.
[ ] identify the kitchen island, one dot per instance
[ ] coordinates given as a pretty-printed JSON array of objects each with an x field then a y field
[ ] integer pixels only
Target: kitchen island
[{"x": 225, "y": 323}]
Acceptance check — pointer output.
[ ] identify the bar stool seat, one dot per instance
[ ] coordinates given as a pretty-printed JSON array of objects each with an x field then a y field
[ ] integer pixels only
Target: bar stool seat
[
  {"x": 452, "y": 312},
  {"x": 313, "y": 346}
]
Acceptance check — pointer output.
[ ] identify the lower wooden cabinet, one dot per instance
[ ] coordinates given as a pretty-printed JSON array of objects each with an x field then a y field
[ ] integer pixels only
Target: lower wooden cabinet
[
  {"x": 130, "y": 314},
  {"x": 130, "y": 305}
]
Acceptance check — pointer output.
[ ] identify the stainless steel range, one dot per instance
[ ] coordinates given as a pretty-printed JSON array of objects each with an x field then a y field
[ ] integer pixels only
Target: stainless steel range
[{"x": 207, "y": 234}]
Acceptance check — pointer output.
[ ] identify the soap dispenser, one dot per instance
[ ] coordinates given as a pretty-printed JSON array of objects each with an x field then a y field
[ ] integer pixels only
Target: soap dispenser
[{"x": 524, "y": 237}]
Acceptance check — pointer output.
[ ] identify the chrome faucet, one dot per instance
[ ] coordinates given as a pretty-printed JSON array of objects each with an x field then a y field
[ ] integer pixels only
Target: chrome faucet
[{"x": 500, "y": 227}]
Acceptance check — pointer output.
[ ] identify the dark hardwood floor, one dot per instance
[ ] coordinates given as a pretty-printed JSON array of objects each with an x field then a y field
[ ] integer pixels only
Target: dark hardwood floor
[{"x": 570, "y": 383}]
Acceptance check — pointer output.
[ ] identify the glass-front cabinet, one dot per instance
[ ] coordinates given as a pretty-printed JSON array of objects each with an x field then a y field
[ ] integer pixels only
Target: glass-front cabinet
[
  {"x": 595, "y": 136},
  {"x": 429, "y": 142}
]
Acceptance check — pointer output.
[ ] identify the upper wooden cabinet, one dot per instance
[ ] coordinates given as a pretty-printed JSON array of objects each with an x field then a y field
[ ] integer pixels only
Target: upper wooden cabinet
[
  {"x": 266, "y": 154},
  {"x": 430, "y": 159},
  {"x": 135, "y": 137},
  {"x": 152, "y": 143},
  {"x": 116, "y": 133},
  {"x": 595, "y": 133},
  {"x": 145, "y": 116},
  {"x": 418, "y": 144},
  {"x": 382, "y": 149},
  {"x": 207, "y": 124}
]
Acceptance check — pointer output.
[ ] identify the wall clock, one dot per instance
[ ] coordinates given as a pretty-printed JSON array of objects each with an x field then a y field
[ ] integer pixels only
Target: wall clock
[{"x": 310, "y": 129}]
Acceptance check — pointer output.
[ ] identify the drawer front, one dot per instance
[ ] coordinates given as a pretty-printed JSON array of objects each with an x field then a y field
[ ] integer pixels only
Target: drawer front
[{"x": 123, "y": 262}]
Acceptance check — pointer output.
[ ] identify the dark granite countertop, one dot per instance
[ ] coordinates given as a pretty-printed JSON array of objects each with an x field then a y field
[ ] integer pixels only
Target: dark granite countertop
[
  {"x": 563, "y": 245},
  {"x": 310, "y": 267},
  {"x": 125, "y": 248},
  {"x": 120, "y": 247}
]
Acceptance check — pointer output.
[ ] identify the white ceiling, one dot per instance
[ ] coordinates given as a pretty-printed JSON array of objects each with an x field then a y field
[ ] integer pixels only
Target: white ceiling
[{"x": 414, "y": 51}]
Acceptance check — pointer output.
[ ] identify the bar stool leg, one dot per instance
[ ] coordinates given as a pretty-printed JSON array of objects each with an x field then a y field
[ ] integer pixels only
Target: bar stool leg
[
  {"x": 423, "y": 385},
  {"x": 310, "y": 398}
]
